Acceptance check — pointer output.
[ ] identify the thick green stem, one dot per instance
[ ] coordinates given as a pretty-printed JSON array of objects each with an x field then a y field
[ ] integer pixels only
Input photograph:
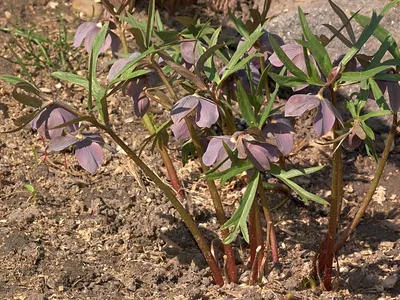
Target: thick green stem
[
  {"x": 368, "y": 197},
  {"x": 166, "y": 160},
  {"x": 201, "y": 242},
  {"x": 219, "y": 210}
]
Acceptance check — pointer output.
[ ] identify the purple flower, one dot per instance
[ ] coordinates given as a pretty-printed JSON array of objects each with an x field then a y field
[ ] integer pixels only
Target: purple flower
[
  {"x": 259, "y": 152},
  {"x": 216, "y": 152},
  {"x": 296, "y": 54},
  {"x": 88, "y": 30},
  {"x": 393, "y": 89},
  {"x": 206, "y": 110},
  {"x": 51, "y": 117},
  {"x": 280, "y": 130},
  {"x": 326, "y": 115},
  {"x": 189, "y": 52},
  {"x": 88, "y": 151},
  {"x": 136, "y": 89},
  {"x": 351, "y": 141}
]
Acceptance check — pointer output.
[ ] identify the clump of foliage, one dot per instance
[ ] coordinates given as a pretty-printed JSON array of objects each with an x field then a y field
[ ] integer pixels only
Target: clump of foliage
[{"x": 223, "y": 108}]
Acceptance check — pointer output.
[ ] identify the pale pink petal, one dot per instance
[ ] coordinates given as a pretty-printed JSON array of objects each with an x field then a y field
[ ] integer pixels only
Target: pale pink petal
[
  {"x": 324, "y": 120},
  {"x": 62, "y": 142},
  {"x": 82, "y": 31},
  {"x": 298, "y": 104},
  {"x": 89, "y": 155},
  {"x": 189, "y": 52},
  {"x": 180, "y": 130},
  {"x": 207, "y": 113},
  {"x": 183, "y": 107},
  {"x": 216, "y": 151}
]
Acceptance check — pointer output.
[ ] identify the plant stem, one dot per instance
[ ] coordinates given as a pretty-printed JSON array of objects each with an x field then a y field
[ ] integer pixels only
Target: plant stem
[
  {"x": 200, "y": 240},
  {"x": 256, "y": 241},
  {"x": 271, "y": 235},
  {"x": 326, "y": 257},
  {"x": 166, "y": 160},
  {"x": 368, "y": 197},
  {"x": 219, "y": 210}
]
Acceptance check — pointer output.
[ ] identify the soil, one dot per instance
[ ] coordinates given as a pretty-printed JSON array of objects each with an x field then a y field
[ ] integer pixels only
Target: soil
[{"x": 115, "y": 236}]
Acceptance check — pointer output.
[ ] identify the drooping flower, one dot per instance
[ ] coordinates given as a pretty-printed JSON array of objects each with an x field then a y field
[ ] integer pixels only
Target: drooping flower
[
  {"x": 326, "y": 114},
  {"x": 51, "y": 117},
  {"x": 280, "y": 130},
  {"x": 393, "y": 89},
  {"x": 206, "y": 110},
  {"x": 88, "y": 31},
  {"x": 88, "y": 151},
  {"x": 296, "y": 54},
  {"x": 259, "y": 152},
  {"x": 216, "y": 152},
  {"x": 136, "y": 88}
]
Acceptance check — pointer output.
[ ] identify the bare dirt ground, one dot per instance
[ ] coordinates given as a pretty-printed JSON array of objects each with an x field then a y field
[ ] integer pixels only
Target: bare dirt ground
[{"x": 115, "y": 236}]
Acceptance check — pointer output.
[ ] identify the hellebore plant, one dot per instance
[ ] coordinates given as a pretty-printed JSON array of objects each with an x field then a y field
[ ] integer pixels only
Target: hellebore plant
[{"x": 178, "y": 72}]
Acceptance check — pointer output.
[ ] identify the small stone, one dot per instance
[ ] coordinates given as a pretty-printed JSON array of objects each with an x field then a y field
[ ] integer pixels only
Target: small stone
[
  {"x": 45, "y": 90},
  {"x": 59, "y": 85},
  {"x": 7, "y": 14},
  {"x": 390, "y": 281}
]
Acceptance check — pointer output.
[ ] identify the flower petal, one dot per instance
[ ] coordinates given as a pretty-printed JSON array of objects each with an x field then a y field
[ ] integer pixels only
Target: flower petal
[
  {"x": 298, "y": 104},
  {"x": 216, "y": 151},
  {"x": 119, "y": 64},
  {"x": 291, "y": 50},
  {"x": 261, "y": 154},
  {"x": 82, "y": 31},
  {"x": 189, "y": 52},
  {"x": 89, "y": 155},
  {"x": 183, "y": 107},
  {"x": 115, "y": 42},
  {"x": 59, "y": 143},
  {"x": 282, "y": 134},
  {"x": 141, "y": 106},
  {"x": 180, "y": 130},
  {"x": 324, "y": 120},
  {"x": 207, "y": 113},
  {"x": 90, "y": 38}
]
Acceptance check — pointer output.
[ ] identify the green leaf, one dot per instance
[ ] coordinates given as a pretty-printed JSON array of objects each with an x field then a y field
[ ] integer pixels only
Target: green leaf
[
  {"x": 228, "y": 174},
  {"x": 239, "y": 220},
  {"x": 130, "y": 75},
  {"x": 387, "y": 7},
  {"x": 72, "y": 78},
  {"x": 339, "y": 35},
  {"x": 367, "y": 130},
  {"x": 238, "y": 55},
  {"x": 365, "y": 35},
  {"x": 346, "y": 22},
  {"x": 275, "y": 170},
  {"x": 289, "y": 81},
  {"x": 74, "y": 121},
  {"x": 13, "y": 79},
  {"x": 374, "y": 114},
  {"x": 30, "y": 188},
  {"x": 239, "y": 25},
  {"x": 380, "y": 33},
  {"x": 286, "y": 60},
  {"x": 139, "y": 38},
  {"x": 168, "y": 36},
  {"x": 246, "y": 109},
  {"x": 150, "y": 22},
  {"x": 305, "y": 195},
  {"x": 363, "y": 75},
  {"x": 316, "y": 48},
  {"x": 207, "y": 55},
  {"x": 378, "y": 95},
  {"x": 93, "y": 83}
]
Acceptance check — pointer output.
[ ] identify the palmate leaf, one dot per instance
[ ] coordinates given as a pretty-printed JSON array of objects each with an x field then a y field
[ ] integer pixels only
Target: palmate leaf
[
  {"x": 72, "y": 78},
  {"x": 289, "y": 81},
  {"x": 363, "y": 75},
  {"x": 239, "y": 220},
  {"x": 226, "y": 175},
  {"x": 286, "y": 175},
  {"x": 346, "y": 22}
]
